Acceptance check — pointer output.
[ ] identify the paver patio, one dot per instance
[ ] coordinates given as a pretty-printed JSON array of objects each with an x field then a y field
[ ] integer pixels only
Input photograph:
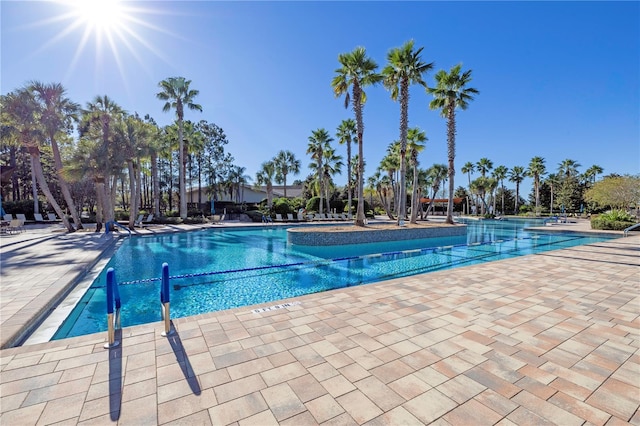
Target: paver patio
[{"x": 551, "y": 338}]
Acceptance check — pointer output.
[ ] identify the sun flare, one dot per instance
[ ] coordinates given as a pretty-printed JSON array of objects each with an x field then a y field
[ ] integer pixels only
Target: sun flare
[{"x": 100, "y": 15}]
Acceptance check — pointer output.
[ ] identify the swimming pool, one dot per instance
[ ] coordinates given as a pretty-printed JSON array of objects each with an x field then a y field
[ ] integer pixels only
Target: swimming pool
[{"x": 218, "y": 269}]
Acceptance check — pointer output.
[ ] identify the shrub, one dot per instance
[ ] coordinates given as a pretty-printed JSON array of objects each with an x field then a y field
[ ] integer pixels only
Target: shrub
[
  {"x": 313, "y": 205},
  {"x": 614, "y": 220},
  {"x": 282, "y": 206}
]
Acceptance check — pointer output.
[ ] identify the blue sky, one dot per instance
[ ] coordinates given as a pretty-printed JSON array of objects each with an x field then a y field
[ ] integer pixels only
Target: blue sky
[{"x": 556, "y": 79}]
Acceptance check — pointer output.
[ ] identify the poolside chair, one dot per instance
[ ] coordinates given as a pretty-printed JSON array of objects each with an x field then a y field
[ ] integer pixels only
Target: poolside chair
[
  {"x": 279, "y": 218},
  {"x": 38, "y": 217},
  {"x": 290, "y": 217},
  {"x": 22, "y": 217},
  {"x": 301, "y": 217},
  {"x": 148, "y": 221},
  {"x": 8, "y": 217},
  {"x": 16, "y": 225},
  {"x": 138, "y": 221},
  {"x": 52, "y": 217}
]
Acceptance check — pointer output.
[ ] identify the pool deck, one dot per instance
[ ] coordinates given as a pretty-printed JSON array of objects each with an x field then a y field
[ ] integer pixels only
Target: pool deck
[{"x": 550, "y": 338}]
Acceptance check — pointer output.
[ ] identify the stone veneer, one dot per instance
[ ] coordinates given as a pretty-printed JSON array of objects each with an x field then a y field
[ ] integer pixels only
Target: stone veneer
[{"x": 317, "y": 236}]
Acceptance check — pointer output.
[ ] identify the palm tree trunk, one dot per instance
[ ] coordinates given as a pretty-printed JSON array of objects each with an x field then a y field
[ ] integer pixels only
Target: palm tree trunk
[
  {"x": 349, "y": 183},
  {"x": 64, "y": 186},
  {"x": 414, "y": 215},
  {"x": 34, "y": 186},
  {"x": 357, "y": 106},
  {"x": 39, "y": 175},
  {"x": 451, "y": 153},
  {"x": 181, "y": 173}
]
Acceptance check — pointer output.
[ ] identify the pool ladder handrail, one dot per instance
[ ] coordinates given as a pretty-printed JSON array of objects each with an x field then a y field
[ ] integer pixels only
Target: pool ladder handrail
[
  {"x": 113, "y": 319},
  {"x": 631, "y": 228}
]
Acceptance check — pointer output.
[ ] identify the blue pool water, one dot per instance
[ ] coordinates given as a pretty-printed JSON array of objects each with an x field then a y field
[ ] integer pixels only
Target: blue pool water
[{"x": 218, "y": 269}]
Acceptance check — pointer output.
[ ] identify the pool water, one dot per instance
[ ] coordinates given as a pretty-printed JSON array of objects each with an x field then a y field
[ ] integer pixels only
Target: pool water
[{"x": 219, "y": 269}]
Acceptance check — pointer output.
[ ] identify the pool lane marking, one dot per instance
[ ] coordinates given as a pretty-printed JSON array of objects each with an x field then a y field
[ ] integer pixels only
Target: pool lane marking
[{"x": 341, "y": 259}]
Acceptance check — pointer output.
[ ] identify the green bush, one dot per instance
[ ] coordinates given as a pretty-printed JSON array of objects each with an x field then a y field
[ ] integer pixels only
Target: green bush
[
  {"x": 254, "y": 215},
  {"x": 282, "y": 206},
  {"x": 614, "y": 220},
  {"x": 313, "y": 205},
  {"x": 21, "y": 206}
]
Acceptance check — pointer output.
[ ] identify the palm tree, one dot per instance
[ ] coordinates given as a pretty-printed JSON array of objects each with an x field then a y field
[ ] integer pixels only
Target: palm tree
[
  {"x": 20, "y": 112},
  {"x": 98, "y": 122},
  {"x": 265, "y": 176},
  {"x": 517, "y": 175},
  {"x": 552, "y": 181},
  {"x": 404, "y": 67},
  {"x": 346, "y": 134},
  {"x": 331, "y": 165},
  {"x": 451, "y": 92},
  {"x": 391, "y": 164},
  {"x": 356, "y": 71},
  {"x": 436, "y": 174},
  {"x": 237, "y": 179},
  {"x": 57, "y": 113},
  {"x": 484, "y": 165},
  {"x": 536, "y": 170},
  {"x": 177, "y": 94},
  {"x": 568, "y": 168},
  {"x": 468, "y": 168},
  {"x": 500, "y": 174},
  {"x": 318, "y": 142},
  {"x": 285, "y": 162},
  {"x": 592, "y": 172},
  {"x": 415, "y": 145}
]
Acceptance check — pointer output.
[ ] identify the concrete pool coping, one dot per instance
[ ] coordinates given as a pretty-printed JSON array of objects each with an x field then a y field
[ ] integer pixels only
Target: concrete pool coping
[{"x": 554, "y": 340}]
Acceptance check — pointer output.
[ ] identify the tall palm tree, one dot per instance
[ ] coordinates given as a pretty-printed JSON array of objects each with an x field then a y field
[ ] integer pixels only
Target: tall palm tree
[
  {"x": 436, "y": 174},
  {"x": 98, "y": 122},
  {"x": 552, "y": 181},
  {"x": 517, "y": 175},
  {"x": 346, "y": 134},
  {"x": 568, "y": 168},
  {"x": 177, "y": 94},
  {"x": 265, "y": 176},
  {"x": 451, "y": 92},
  {"x": 331, "y": 165},
  {"x": 319, "y": 142},
  {"x": 484, "y": 165},
  {"x": 237, "y": 180},
  {"x": 404, "y": 67},
  {"x": 285, "y": 162},
  {"x": 500, "y": 174},
  {"x": 536, "y": 170},
  {"x": 415, "y": 145},
  {"x": 21, "y": 115},
  {"x": 391, "y": 164},
  {"x": 592, "y": 172},
  {"x": 356, "y": 71},
  {"x": 57, "y": 113},
  {"x": 468, "y": 168}
]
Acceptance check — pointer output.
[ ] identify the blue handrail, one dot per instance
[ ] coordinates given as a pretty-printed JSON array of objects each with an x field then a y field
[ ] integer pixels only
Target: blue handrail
[
  {"x": 165, "y": 297},
  {"x": 113, "y": 293},
  {"x": 113, "y": 222}
]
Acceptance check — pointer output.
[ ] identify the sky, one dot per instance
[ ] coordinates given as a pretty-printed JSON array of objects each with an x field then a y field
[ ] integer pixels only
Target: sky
[{"x": 559, "y": 80}]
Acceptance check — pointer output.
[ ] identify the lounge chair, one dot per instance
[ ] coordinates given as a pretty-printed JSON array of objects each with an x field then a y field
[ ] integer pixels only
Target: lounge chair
[
  {"x": 8, "y": 217},
  {"x": 22, "y": 217},
  {"x": 38, "y": 217},
  {"x": 301, "y": 217},
  {"x": 16, "y": 225},
  {"x": 290, "y": 217},
  {"x": 138, "y": 221},
  {"x": 217, "y": 218},
  {"x": 279, "y": 218},
  {"x": 148, "y": 221},
  {"x": 52, "y": 217}
]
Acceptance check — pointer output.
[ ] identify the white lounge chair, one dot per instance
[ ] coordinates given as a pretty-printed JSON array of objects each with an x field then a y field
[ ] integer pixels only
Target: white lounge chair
[
  {"x": 290, "y": 217},
  {"x": 22, "y": 217},
  {"x": 138, "y": 221},
  {"x": 38, "y": 217},
  {"x": 279, "y": 218},
  {"x": 52, "y": 217},
  {"x": 148, "y": 221},
  {"x": 8, "y": 217}
]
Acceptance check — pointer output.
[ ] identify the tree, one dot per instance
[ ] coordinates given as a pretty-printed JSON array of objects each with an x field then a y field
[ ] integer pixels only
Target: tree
[
  {"x": 552, "y": 181},
  {"x": 356, "y": 71},
  {"x": 346, "y": 134},
  {"x": 415, "y": 145},
  {"x": 592, "y": 172},
  {"x": 285, "y": 162},
  {"x": 451, "y": 92},
  {"x": 568, "y": 168},
  {"x": 97, "y": 124},
  {"x": 21, "y": 113},
  {"x": 331, "y": 165},
  {"x": 177, "y": 94},
  {"x": 436, "y": 174},
  {"x": 536, "y": 170},
  {"x": 57, "y": 114},
  {"x": 517, "y": 175},
  {"x": 265, "y": 176},
  {"x": 484, "y": 165},
  {"x": 468, "y": 168},
  {"x": 404, "y": 67},
  {"x": 500, "y": 174},
  {"x": 318, "y": 143},
  {"x": 618, "y": 192}
]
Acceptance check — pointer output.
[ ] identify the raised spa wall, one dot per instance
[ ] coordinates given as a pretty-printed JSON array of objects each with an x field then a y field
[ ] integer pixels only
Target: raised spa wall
[{"x": 319, "y": 237}]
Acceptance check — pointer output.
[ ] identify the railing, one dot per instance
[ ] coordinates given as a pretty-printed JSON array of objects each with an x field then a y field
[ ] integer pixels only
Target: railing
[
  {"x": 113, "y": 323},
  {"x": 113, "y": 315},
  {"x": 631, "y": 228},
  {"x": 113, "y": 222}
]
